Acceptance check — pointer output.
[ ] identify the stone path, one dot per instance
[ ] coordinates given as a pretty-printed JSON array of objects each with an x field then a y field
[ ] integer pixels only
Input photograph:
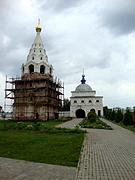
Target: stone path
[
  {"x": 107, "y": 155},
  {"x": 11, "y": 169},
  {"x": 70, "y": 124}
]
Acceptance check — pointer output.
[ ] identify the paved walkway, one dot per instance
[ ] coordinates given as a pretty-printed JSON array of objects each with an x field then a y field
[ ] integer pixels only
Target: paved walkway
[
  {"x": 11, "y": 169},
  {"x": 70, "y": 124},
  {"x": 108, "y": 155}
]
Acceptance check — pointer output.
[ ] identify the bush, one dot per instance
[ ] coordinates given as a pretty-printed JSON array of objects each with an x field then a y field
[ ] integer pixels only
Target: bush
[
  {"x": 98, "y": 124},
  {"x": 92, "y": 117},
  {"x": 29, "y": 127},
  {"x": 20, "y": 125}
]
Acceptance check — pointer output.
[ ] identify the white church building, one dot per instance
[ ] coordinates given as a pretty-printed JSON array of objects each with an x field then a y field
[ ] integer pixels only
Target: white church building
[{"x": 84, "y": 100}]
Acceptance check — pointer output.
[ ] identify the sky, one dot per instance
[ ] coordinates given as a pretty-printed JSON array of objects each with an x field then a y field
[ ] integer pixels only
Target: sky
[{"x": 97, "y": 36}]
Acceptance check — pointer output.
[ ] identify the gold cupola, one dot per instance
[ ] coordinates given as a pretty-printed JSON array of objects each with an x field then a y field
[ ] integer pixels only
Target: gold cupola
[{"x": 38, "y": 26}]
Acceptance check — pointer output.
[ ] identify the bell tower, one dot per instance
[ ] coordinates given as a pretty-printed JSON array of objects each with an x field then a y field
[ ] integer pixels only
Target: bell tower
[
  {"x": 37, "y": 60},
  {"x": 37, "y": 94}
]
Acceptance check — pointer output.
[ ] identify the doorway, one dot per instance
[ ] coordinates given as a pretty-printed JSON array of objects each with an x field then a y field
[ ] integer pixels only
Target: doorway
[{"x": 80, "y": 113}]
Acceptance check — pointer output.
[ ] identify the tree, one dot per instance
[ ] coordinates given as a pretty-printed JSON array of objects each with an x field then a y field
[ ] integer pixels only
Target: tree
[
  {"x": 65, "y": 105},
  {"x": 113, "y": 115},
  {"x": 127, "y": 120},
  {"x": 119, "y": 116},
  {"x": 107, "y": 112}
]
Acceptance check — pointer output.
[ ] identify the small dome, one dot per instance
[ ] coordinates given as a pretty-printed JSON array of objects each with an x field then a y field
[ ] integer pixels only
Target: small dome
[
  {"x": 38, "y": 26},
  {"x": 83, "y": 87}
]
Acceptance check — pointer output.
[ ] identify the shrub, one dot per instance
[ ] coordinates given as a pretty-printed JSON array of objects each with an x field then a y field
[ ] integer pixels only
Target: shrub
[
  {"x": 36, "y": 126},
  {"x": 20, "y": 125},
  {"x": 29, "y": 127},
  {"x": 92, "y": 117}
]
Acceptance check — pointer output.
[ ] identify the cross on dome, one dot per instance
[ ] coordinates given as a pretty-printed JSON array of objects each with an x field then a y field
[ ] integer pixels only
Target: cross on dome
[{"x": 83, "y": 78}]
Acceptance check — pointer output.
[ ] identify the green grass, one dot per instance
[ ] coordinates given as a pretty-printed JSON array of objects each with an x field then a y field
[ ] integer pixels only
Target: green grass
[
  {"x": 49, "y": 145},
  {"x": 129, "y": 127},
  {"x": 9, "y": 123}
]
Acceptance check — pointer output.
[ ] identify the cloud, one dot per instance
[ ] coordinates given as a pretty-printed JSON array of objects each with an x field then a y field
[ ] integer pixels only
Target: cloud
[
  {"x": 58, "y": 5},
  {"x": 95, "y": 35},
  {"x": 118, "y": 16}
]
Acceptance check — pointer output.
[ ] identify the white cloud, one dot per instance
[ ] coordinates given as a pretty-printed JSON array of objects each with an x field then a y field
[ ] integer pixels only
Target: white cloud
[{"x": 76, "y": 34}]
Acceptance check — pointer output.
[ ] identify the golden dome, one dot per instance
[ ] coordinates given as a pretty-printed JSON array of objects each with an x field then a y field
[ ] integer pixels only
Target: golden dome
[{"x": 38, "y": 26}]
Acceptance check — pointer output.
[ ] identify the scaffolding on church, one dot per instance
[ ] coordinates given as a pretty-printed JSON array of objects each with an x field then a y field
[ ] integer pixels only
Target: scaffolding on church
[{"x": 34, "y": 96}]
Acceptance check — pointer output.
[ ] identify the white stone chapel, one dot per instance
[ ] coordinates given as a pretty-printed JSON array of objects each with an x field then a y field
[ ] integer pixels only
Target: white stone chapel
[{"x": 84, "y": 100}]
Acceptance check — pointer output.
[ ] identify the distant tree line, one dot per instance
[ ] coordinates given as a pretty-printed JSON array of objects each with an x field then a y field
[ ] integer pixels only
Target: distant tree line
[{"x": 119, "y": 116}]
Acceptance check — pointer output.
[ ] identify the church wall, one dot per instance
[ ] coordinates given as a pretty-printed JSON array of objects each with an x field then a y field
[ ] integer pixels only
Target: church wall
[
  {"x": 84, "y": 94},
  {"x": 86, "y": 105}
]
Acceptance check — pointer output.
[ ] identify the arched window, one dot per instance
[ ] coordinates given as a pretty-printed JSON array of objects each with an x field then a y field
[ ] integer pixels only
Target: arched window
[
  {"x": 82, "y": 101},
  {"x": 97, "y": 100},
  {"x": 22, "y": 68},
  {"x": 31, "y": 68},
  {"x": 41, "y": 58},
  {"x": 42, "y": 69},
  {"x": 33, "y": 58},
  {"x": 50, "y": 70},
  {"x": 75, "y": 101},
  {"x": 90, "y": 101},
  {"x": 93, "y": 110}
]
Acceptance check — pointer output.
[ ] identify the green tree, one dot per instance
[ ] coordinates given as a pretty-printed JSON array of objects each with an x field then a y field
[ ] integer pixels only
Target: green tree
[
  {"x": 118, "y": 116},
  {"x": 128, "y": 120},
  {"x": 107, "y": 112},
  {"x": 112, "y": 115},
  {"x": 65, "y": 106}
]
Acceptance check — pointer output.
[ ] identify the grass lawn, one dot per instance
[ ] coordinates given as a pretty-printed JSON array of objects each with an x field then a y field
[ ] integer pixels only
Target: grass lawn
[
  {"x": 48, "y": 124},
  {"x": 53, "y": 147},
  {"x": 129, "y": 127}
]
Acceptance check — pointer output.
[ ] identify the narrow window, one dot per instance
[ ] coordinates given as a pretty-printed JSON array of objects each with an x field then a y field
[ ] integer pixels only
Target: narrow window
[
  {"x": 31, "y": 68},
  {"x": 42, "y": 69},
  {"x": 50, "y": 70},
  {"x": 32, "y": 58},
  {"x": 41, "y": 58},
  {"x": 23, "y": 69}
]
